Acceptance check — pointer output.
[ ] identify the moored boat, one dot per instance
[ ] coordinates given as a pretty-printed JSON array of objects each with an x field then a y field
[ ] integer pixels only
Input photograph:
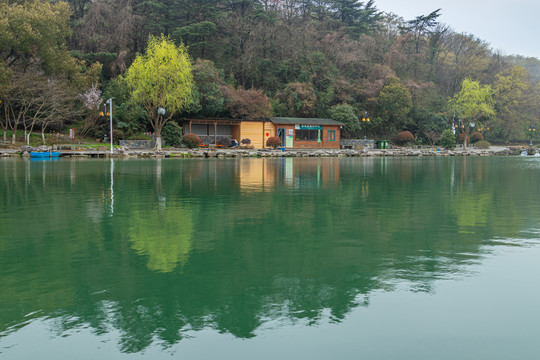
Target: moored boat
[{"x": 44, "y": 154}]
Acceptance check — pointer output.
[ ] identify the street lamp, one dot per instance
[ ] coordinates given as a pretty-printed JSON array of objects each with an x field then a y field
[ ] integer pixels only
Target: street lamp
[
  {"x": 531, "y": 131},
  {"x": 457, "y": 127},
  {"x": 109, "y": 102},
  {"x": 365, "y": 121},
  {"x": 483, "y": 130}
]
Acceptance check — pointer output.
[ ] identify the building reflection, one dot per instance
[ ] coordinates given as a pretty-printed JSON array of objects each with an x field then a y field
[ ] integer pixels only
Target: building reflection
[
  {"x": 256, "y": 175},
  {"x": 266, "y": 174}
]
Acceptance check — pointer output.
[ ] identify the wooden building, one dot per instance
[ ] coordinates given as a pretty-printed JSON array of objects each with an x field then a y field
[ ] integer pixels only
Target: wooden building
[{"x": 307, "y": 133}]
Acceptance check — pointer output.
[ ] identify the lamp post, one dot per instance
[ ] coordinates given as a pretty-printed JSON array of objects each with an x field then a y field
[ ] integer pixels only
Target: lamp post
[
  {"x": 161, "y": 113},
  {"x": 457, "y": 127},
  {"x": 483, "y": 130},
  {"x": 531, "y": 131},
  {"x": 365, "y": 121},
  {"x": 109, "y": 102}
]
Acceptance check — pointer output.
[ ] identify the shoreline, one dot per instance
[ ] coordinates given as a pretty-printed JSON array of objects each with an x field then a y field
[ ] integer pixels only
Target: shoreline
[{"x": 264, "y": 153}]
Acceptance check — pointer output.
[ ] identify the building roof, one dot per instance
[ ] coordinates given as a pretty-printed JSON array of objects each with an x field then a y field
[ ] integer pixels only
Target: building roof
[{"x": 305, "y": 121}]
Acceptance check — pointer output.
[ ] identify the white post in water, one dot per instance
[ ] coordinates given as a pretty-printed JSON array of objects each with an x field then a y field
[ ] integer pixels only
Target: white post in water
[{"x": 110, "y": 117}]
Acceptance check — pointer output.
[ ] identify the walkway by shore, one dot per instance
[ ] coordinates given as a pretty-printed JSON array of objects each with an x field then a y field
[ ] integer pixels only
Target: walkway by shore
[{"x": 254, "y": 153}]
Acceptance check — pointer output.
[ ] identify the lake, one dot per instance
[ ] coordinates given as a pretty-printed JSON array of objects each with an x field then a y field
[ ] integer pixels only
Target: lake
[{"x": 339, "y": 258}]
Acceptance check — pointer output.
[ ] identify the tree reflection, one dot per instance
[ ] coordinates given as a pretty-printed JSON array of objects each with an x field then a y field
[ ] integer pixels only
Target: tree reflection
[{"x": 162, "y": 234}]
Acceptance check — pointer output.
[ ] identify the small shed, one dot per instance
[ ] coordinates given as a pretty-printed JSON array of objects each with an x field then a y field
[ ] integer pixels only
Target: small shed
[
  {"x": 308, "y": 133},
  {"x": 213, "y": 131}
]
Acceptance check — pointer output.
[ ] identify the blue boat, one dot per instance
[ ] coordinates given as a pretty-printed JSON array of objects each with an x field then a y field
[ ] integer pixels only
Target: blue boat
[{"x": 44, "y": 154}]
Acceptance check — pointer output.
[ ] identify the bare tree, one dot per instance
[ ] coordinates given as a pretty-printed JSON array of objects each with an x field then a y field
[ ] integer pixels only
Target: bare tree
[
  {"x": 20, "y": 96},
  {"x": 54, "y": 105},
  {"x": 35, "y": 100}
]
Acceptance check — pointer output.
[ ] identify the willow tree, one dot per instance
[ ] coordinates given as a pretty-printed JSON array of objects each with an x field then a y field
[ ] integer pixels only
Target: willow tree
[
  {"x": 473, "y": 102},
  {"x": 161, "y": 81}
]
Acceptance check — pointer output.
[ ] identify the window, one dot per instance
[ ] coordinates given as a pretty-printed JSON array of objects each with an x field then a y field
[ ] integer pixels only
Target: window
[
  {"x": 307, "y": 135},
  {"x": 331, "y": 135}
]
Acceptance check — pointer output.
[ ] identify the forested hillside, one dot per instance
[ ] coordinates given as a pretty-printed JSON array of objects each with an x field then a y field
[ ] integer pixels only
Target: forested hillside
[{"x": 307, "y": 58}]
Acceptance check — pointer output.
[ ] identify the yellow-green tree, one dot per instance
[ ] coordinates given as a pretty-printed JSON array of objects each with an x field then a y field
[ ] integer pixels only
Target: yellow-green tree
[
  {"x": 472, "y": 102},
  {"x": 161, "y": 79}
]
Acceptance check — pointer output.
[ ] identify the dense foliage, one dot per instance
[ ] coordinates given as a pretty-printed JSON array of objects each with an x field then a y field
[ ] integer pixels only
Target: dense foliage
[
  {"x": 448, "y": 139},
  {"x": 253, "y": 59}
]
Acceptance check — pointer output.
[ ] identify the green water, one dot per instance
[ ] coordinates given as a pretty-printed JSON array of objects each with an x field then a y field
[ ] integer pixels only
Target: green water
[{"x": 409, "y": 258}]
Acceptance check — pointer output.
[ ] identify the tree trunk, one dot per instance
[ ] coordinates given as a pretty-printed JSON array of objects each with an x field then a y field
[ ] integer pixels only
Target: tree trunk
[
  {"x": 158, "y": 142},
  {"x": 43, "y": 137},
  {"x": 13, "y": 138}
]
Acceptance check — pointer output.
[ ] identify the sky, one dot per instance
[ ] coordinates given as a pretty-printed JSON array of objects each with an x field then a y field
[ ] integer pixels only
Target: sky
[{"x": 513, "y": 27}]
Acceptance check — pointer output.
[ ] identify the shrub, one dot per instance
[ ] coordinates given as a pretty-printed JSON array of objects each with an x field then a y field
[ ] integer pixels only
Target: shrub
[
  {"x": 274, "y": 142},
  {"x": 246, "y": 141},
  {"x": 171, "y": 134},
  {"x": 192, "y": 141},
  {"x": 461, "y": 137},
  {"x": 482, "y": 144},
  {"x": 448, "y": 139},
  {"x": 405, "y": 137},
  {"x": 476, "y": 136},
  {"x": 140, "y": 136}
]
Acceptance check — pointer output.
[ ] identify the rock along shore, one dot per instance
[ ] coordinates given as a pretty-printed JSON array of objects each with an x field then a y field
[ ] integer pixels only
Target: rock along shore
[{"x": 265, "y": 153}]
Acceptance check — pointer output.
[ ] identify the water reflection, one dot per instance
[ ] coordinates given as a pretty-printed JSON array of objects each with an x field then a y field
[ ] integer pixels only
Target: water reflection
[
  {"x": 163, "y": 234},
  {"x": 156, "y": 249},
  {"x": 255, "y": 175},
  {"x": 266, "y": 174},
  {"x": 112, "y": 186}
]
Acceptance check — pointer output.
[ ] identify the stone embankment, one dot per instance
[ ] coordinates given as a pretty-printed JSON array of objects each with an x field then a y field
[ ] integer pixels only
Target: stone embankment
[
  {"x": 227, "y": 153},
  {"x": 264, "y": 153}
]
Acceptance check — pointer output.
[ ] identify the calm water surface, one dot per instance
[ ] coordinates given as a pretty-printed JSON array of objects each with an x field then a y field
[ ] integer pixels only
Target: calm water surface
[{"x": 420, "y": 258}]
